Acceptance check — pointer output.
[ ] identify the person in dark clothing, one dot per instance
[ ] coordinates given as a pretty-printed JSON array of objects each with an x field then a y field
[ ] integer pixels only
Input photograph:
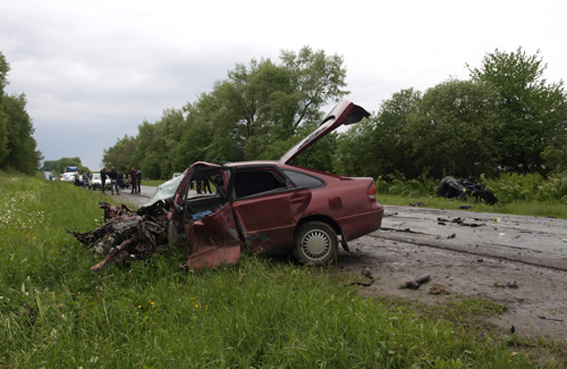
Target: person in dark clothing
[
  {"x": 103, "y": 174},
  {"x": 133, "y": 180},
  {"x": 113, "y": 181},
  {"x": 121, "y": 180},
  {"x": 139, "y": 179},
  {"x": 206, "y": 183},
  {"x": 203, "y": 183}
]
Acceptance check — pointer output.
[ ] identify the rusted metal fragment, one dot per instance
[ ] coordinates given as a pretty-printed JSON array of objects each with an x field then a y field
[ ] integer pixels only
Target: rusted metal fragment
[
  {"x": 112, "y": 211},
  {"x": 112, "y": 258},
  {"x": 110, "y": 234}
]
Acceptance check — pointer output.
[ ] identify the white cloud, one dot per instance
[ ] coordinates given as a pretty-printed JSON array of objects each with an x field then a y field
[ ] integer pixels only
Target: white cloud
[{"x": 93, "y": 71}]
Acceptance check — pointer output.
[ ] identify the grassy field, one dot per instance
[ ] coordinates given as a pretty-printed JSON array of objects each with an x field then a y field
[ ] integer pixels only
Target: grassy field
[
  {"x": 530, "y": 208},
  {"x": 528, "y": 194},
  {"x": 261, "y": 313}
]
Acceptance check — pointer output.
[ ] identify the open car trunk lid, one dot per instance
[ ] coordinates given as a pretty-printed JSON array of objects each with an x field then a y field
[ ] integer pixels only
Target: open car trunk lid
[{"x": 344, "y": 113}]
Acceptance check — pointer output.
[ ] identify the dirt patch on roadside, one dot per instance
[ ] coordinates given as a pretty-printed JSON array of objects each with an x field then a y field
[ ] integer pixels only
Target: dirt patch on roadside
[{"x": 534, "y": 297}]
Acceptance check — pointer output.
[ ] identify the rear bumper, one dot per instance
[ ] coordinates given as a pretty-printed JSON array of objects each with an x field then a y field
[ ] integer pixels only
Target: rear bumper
[{"x": 361, "y": 224}]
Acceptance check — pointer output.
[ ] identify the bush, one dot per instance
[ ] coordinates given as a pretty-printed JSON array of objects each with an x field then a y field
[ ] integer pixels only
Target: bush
[
  {"x": 511, "y": 187},
  {"x": 397, "y": 184}
]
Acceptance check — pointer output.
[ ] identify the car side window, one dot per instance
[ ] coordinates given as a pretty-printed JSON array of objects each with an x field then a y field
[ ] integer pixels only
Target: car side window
[
  {"x": 304, "y": 180},
  {"x": 249, "y": 182}
]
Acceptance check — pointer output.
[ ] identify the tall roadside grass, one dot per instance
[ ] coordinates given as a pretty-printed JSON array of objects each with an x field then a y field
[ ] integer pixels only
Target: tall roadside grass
[{"x": 261, "y": 313}]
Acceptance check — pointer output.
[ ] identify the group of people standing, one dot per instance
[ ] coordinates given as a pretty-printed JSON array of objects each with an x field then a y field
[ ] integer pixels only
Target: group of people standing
[
  {"x": 136, "y": 179},
  {"x": 117, "y": 180}
]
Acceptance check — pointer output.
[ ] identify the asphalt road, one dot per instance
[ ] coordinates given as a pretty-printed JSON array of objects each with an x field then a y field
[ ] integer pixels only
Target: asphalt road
[
  {"x": 135, "y": 200},
  {"x": 531, "y": 240}
]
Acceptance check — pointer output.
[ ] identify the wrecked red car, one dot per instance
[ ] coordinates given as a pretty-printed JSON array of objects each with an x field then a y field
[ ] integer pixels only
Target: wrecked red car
[
  {"x": 268, "y": 207},
  {"x": 272, "y": 207}
]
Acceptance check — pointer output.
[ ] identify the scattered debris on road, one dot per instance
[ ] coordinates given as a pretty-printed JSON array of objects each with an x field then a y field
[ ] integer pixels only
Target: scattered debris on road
[
  {"x": 546, "y": 318},
  {"x": 416, "y": 283},
  {"x": 368, "y": 274}
]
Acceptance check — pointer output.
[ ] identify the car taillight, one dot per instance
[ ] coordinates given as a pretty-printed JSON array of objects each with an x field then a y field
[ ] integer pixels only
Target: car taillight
[{"x": 372, "y": 192}]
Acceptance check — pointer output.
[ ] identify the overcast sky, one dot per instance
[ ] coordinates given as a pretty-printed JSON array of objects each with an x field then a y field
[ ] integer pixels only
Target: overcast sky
[{"x": 93, "y": 71}]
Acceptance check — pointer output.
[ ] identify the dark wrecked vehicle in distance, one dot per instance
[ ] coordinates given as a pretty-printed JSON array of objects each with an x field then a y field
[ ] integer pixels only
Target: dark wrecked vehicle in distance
[
  {"x": 273, "y": 207},
  {"x": 266, "y": 207},
  {"x": 460, "y": 189}
]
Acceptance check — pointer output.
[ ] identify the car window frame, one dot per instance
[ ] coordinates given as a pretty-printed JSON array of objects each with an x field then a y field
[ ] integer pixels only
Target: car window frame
[
  {"x": 271, "y": 168},
  {"x": 322, "y": 182}
]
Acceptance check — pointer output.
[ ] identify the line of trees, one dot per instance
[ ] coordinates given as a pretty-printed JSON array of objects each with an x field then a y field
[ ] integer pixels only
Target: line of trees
[
  {"x": 505, "y": 118},
  {"x": 258, "y": 112},
  {"x": 18, "y": 148},
  {"x": 58, "y": 166}
]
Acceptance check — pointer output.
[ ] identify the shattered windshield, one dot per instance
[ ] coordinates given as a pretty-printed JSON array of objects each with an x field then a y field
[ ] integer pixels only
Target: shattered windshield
[{"x": 165, "y": 191}]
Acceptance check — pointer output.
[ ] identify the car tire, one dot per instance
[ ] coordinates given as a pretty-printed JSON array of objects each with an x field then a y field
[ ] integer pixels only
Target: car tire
[{"x": 315, "y": 243}]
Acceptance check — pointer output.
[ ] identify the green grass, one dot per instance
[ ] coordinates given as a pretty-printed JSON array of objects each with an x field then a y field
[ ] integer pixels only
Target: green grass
[
  {"x": 260, "y": 313},
  {"x": 528, "y": 194},
  {"x": 518, "y": 207}
]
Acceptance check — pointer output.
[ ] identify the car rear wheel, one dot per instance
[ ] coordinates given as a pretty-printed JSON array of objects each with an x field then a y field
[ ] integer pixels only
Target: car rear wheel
[{"x": 315, "y": 243}]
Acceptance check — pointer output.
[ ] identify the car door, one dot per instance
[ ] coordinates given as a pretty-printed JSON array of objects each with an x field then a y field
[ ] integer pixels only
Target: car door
[
  {"x": 267, "y": 223},
  {"x": 212, "y": 235},
  {"x": 213, "y": 240},
  {"x": 267, "y": 208}
]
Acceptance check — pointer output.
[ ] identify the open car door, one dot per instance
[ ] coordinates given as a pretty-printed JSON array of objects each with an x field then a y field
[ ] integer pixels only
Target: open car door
[
  {"x": 204, "y": 220},
  {"x": 213, "y": 240}
]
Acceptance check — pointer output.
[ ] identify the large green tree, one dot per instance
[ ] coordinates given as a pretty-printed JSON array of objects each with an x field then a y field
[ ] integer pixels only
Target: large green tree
[
  {"x": 22, "y": 147},
  {"x": 379, "y": 145},
  {"x": 507, "y": 117},
  {"x": 4, "y": 69},
  {"x": 391, "y": 134},
  {"x": 257, "y": 112},
  {"x": 455, "y": 131},
  {"x": 121, "y": 154},
  {"x": 317, "y": 79},
  {"x": 198, "y": 135},
  {"x": 18, "y": 148},
  {"x": 532, "y": 110},
  {"x": 264, "y": 103},
  {"x": 157, "y": 142}
]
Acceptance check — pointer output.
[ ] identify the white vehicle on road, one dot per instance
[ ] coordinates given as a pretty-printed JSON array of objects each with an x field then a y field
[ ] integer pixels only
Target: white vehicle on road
[
  {"x": 96, "y": 182},
  {"x": 70, "y": 177}
]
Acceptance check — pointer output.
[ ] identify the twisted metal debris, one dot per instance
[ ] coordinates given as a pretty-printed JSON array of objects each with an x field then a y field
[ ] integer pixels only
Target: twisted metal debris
[{"x": 127, "y": 234}]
